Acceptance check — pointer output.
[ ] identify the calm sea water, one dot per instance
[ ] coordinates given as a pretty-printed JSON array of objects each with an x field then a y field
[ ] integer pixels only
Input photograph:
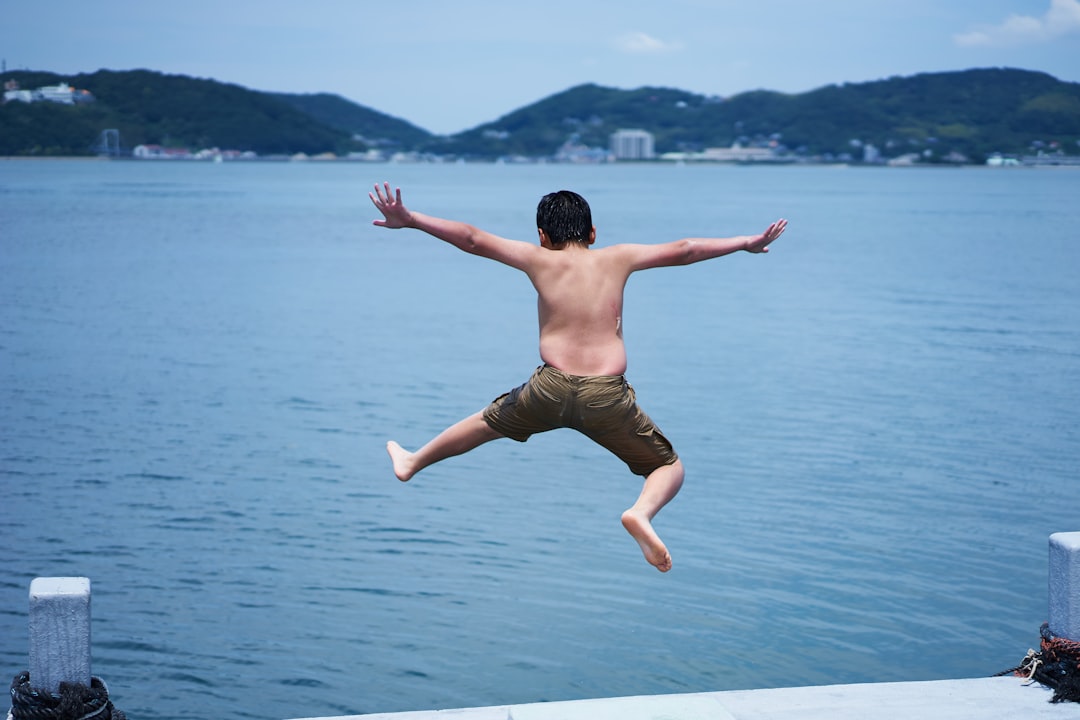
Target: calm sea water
[{"x": 200, "y": 365}]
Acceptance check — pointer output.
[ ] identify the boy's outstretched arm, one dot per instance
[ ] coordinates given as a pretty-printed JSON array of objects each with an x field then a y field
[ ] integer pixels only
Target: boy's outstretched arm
[
  {"x": 692, "y": 250},
  {"x": 461, "y": 235}
]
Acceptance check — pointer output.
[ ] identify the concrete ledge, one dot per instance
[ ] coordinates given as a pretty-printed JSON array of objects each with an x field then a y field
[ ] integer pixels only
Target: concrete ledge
[{"x": 1004, "y": 698}]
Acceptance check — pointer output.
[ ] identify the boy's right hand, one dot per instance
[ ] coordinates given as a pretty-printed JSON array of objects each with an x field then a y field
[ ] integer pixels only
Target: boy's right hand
[
  {"x": 395, "y": 215},
  {"x": 760, "y": 243}
]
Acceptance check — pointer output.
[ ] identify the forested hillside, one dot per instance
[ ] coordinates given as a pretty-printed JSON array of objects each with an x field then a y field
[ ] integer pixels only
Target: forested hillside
[
  {"x": 968, "y": 114},
  {"x": 373, "y": 127},
  {"x": 975, "y": 112},
  {"x": 174, "y": 110}
]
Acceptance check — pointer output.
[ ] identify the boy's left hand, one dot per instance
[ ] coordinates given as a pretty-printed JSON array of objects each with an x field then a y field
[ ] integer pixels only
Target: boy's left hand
[{"x": 760, "y": 244}]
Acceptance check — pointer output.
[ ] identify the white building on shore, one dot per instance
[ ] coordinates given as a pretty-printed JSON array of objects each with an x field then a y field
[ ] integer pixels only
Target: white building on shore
[
  {"x": 632, "y": 145},
  {"x": 737, "y": 153},
  {"x": 61, "y": 93}
]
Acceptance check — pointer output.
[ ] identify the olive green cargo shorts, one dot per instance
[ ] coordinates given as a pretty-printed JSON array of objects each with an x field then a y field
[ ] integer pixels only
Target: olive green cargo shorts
[{"x": 603, "y": 408}]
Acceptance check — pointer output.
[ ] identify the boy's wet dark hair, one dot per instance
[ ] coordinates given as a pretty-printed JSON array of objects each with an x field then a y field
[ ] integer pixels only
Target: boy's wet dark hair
[{"x": 564, "y": 216}]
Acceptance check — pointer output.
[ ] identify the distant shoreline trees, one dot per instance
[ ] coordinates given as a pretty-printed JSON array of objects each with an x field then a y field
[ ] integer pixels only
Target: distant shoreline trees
[{"x": 966, "y": 116}]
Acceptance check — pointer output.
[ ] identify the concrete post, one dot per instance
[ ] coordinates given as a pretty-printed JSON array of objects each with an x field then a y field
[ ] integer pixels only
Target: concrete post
[
  {"x": 1064, "y": 585},
  {"x": 59, "y": 632}
]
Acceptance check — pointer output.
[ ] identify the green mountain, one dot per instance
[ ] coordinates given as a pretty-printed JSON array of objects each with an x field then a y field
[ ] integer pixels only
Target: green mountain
[
  {"x": 374, "y": 127},
  {"x": 177, "y": 111},
  {"x": 974, "y": 113}
]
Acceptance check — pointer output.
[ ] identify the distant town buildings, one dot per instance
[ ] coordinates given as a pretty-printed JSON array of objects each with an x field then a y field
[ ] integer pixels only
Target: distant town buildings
[
  {"x": 737, "y": 153},
  {"x": 575, "y": 151},
  {"x": 157, "y": 152},
  {"x": 632, "y": 145},
  {"x": 62, "y": 93}
]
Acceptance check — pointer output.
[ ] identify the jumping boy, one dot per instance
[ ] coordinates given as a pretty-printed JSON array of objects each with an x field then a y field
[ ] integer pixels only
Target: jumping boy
[{"x": 581, "y": 383}]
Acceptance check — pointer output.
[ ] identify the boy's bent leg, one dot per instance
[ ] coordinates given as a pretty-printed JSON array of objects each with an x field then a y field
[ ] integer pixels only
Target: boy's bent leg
[
  {"x": 459, "y": 438},
  {"x": 661, "y": 486}
]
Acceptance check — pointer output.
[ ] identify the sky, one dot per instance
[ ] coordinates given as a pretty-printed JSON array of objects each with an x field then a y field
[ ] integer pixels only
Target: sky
[{"x": 448, "y": 66}]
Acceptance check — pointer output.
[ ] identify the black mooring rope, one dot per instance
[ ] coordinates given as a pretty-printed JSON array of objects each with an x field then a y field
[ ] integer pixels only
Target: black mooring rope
[
  {"x": 75, "y": 701},
  {"x": 1056, "y": 665}
]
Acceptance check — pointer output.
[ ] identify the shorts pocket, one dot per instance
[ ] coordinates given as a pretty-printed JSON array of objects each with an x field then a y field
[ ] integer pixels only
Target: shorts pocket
[{"x": 610, "y": 397}]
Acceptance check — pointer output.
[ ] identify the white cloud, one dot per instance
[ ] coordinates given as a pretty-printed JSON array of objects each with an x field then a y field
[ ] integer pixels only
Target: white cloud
[
  {"x": 639, "y": 43},
  {"x": 1062, "y": 18}
]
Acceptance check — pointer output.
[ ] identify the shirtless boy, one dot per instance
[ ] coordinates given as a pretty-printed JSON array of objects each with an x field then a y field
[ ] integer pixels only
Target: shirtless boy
[{"x": 581, "y": 383}]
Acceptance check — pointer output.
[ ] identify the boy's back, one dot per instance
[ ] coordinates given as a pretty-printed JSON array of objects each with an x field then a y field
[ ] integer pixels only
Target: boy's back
[{"x": 579, "y": 304}]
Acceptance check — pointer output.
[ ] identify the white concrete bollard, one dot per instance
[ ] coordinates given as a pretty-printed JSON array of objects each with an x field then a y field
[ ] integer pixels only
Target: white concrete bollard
[
  {"x": 59, "y": 632},
  {"x": 1064, "y": 585}
]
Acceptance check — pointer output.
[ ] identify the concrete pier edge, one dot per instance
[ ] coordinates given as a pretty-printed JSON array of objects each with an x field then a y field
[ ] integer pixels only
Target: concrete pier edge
[{"x": 1003, "y": 698}]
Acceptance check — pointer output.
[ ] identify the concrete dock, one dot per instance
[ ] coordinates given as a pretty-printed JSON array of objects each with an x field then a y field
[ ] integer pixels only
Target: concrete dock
[{"x": 1003, "y": 698}]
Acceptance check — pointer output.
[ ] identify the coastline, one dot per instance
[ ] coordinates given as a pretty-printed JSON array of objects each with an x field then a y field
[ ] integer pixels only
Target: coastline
[{"x": 325, "y": 160}]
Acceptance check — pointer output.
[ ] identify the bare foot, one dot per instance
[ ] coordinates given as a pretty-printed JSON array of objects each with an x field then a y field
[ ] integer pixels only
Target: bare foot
[
  {"x": 402, "y": 460},
  {"x": 652, "y": 547}
]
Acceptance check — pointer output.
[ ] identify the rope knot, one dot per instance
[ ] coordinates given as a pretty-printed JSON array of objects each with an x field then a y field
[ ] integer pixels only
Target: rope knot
[{"x": 74, "y": 701}]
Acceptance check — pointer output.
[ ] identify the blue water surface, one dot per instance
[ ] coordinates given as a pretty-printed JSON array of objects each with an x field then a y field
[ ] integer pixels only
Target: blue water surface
[{"x": 200, "y": 366}]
